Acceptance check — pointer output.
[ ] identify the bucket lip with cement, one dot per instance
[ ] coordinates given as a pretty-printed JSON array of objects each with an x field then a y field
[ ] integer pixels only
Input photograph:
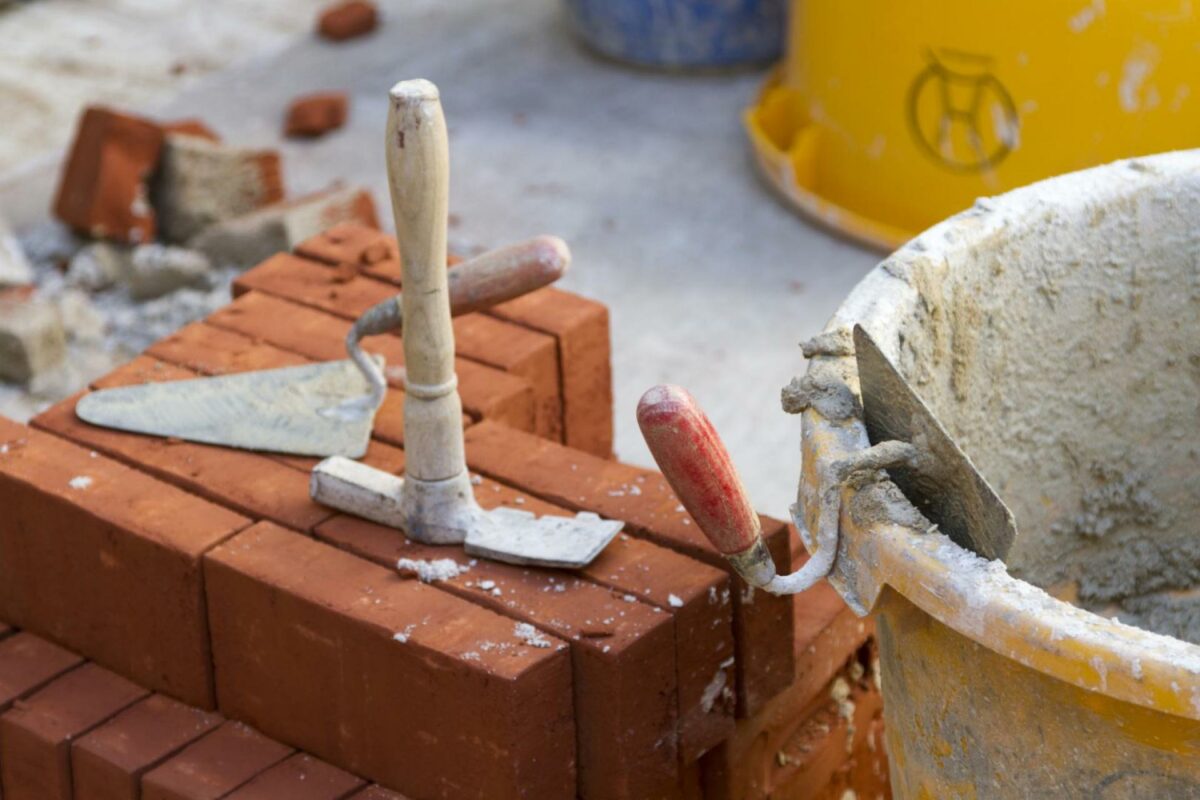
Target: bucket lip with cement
[{"x": 879, "y": 544}]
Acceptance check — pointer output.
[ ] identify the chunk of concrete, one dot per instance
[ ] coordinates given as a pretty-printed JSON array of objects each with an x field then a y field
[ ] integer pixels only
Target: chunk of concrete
[
  {"x": 14, "y": 266},
  {"x": 201, "y": 182},
  {"x": 32, "y": 340},
  {"x": 255, "y": 237},
  {"x": 99, "y": 266},
  {"x": 81, "y": 320},
  {"x": 156, "y": 270}
]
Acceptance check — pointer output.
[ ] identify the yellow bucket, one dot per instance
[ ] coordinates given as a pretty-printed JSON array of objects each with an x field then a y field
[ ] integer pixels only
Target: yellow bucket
[
  {"x": 1054, "y": 331},
  {"x": 886, "y": 117}
]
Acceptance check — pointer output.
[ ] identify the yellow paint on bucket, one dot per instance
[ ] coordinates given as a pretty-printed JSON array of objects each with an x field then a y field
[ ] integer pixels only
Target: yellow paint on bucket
[{"x": 885, "y": 118}]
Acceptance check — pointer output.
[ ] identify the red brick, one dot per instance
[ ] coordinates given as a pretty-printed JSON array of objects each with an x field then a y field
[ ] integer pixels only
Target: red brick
[
  {"x": 828, "y": 637},
  {"x": 510, "y": 348},
  {"x": 109, "y": 762},
  {"x": 376, "y": 793},
  {"x": 289, "y": 614},
  {"x": 110, "y": 567},
  {"x": 27, "y": 663},
  {"x": 212, "y": 351},
  {"x": 142, "y": 369},
  {"x": 301, "y": 777},
  {"x": 214, "y": 765},
  {"x": 865, "y": 773},
  {"x": 103, "y": 190},
  {"x": 36, "y": 734},
  {"x": 370, "y": 250},
  {"x": 347, "y": 20},
  {"x": 250, "y": 483},
  {"x": 191, "y": 127},
  {"x": 578, "y": 481},
  {"x": 312, "y": 115},
  {"x": 486, "y": 393},
  {"x": 696, "y": 595},
  {"x": 580, "y": 327},
  {"x": 622, "y": 654},
  {"x": 6, "y": 630}
]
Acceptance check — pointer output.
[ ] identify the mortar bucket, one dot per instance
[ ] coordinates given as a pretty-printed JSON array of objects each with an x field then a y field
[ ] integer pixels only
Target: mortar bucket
[
  {"x": 1055, "y": 330},
  {"x": 889, "y": 117}
]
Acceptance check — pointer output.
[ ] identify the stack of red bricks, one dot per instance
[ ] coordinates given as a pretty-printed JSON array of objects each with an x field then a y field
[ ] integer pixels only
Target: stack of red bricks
[{"x": 206, "y": 575}]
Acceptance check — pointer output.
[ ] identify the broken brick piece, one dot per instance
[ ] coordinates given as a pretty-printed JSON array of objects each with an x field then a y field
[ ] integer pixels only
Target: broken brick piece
[
  {"x": 289, "y": 614},
  {"x": 246, "y": 240},
  {"x": 313, "y": 115},
  {"x": 27, "y": 663},
  {"x": 300, "y": 777},
  {"x": 625, "y": 695},
  {"x": 347, "y": 20},
  {"x": 580, "y": 326},
  {"x": 106, "y": 560},
  {"x": 371, "y": 249},
  {"x": 108, "y": 763},
  {"x": 200, "y": 182},
  {"x": 214, "y": 765},
  {"x": 642, "y": 498},
  {"x": 36, "y": 734},
  {"x": 103, "y": 192}
]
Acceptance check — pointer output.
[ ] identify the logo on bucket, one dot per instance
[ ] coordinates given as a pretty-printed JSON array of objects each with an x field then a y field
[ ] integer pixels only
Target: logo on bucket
[{"x": 960, "y": 114}]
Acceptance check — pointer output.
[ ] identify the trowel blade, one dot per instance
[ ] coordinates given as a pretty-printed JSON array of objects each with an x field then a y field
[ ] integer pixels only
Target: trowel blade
[
  {"x": 519, "y": 537},
  {"x": 317, "y": 410},
  {"x": 945, "y": 486}
]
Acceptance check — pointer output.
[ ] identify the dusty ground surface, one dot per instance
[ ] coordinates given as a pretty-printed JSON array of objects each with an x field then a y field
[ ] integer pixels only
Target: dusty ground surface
[{"x": 712, "y": 282}]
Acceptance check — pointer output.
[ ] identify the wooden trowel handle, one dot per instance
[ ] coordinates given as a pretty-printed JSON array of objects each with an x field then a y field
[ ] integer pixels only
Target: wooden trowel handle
[
  {"x": 509, "y": 272},
  {"x": 691, "y": 456}
]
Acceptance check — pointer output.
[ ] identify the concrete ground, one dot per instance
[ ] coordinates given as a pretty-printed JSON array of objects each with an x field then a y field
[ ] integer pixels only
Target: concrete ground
[{"x": 712, "y": 281}]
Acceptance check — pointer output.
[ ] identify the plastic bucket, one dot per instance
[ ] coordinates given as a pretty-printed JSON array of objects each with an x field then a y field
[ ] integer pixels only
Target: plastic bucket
[
  {"x": 682, "y": 34},
  {"x": 887, "y": 117},
  {"x": 1055, "y": 331}
]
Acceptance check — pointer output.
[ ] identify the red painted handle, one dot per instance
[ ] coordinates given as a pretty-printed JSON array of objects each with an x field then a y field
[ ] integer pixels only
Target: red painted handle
[{"x": 696, "y": 464}]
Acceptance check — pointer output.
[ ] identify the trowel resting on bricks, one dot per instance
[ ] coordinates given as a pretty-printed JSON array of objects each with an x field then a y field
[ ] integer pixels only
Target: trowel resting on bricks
[
  {"x": 328, "y": 409},
  {"x": 434, "y": 502},
  {"x": 907, "y": 440}
]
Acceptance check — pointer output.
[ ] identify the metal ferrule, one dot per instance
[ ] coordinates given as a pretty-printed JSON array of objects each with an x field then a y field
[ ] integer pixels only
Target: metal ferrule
[{"x": 754, "y": 564}]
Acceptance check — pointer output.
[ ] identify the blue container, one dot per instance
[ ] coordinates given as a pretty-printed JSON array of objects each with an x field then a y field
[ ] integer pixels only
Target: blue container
[{"x": 682, "y": 34}]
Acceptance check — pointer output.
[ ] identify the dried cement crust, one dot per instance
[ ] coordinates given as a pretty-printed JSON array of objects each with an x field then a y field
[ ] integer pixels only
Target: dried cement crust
[{"x": 1055, "y": 331}]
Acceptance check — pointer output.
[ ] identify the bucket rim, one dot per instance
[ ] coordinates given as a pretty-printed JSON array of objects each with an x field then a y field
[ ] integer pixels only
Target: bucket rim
[{"x": 972, "y": 596}]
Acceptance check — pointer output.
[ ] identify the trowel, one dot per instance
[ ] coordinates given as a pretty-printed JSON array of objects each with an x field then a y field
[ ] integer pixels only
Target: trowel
[
  {"x": 939, "y": 479},
  {"x": 434, "y": 502},
  {"x": 321, "y": 409}
]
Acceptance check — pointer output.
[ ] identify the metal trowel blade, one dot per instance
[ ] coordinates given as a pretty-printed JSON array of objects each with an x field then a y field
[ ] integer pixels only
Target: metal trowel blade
[
  {"x": 519, "y": 537},
  {"x": 945, "y": 486},
  {"x": 318, "y": 410}
]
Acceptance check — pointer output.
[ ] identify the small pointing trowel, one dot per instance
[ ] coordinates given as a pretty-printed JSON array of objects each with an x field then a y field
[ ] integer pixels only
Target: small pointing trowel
[
  {"x": 939, "y": 480},
  {"x": 321, "y": 409}
]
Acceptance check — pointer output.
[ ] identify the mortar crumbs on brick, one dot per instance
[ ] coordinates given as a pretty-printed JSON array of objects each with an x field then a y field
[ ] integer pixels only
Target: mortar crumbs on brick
[
  {"x": 674, "y": 601},
  {"x": 80, "y": 482},
  {"x": 441, "y": 569},
  {"x": 402, "y": 636},
  {"x": 530, "y": 635}
]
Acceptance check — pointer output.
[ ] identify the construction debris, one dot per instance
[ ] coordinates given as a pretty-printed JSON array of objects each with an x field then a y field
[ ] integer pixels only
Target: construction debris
[
  {"x": 103, "y": 188},
  {"x": 202, "y": 182},
  {"x": 157, "y": 269},
  {"x": 314, "y": 115},
  {"x": 14, "y": 267},
  {"x": 98, "y": 266},
  {"x": 32, "y": 340},
  {"x": 245, "y": 241},
  {"x": 81, "y": 321},
  {"x": 347, "y": 20}
]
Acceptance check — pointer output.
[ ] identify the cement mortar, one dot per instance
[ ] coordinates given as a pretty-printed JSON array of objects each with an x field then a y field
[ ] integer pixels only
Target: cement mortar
[{"x": 1061, "y": 348}]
